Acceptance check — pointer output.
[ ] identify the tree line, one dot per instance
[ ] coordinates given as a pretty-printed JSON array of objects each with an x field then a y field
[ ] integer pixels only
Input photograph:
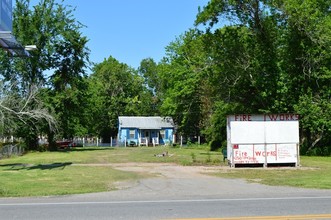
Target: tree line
[{"x": 251, "y": 56}]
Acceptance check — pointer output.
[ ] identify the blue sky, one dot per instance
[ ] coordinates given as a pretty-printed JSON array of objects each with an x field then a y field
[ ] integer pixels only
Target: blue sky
[{"x": 131, "y": 30}]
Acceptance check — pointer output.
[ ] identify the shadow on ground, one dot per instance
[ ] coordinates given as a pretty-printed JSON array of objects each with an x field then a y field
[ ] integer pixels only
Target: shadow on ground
[
  {"x": 74, "y": 149},
  {"x": 21, "y": 166}
]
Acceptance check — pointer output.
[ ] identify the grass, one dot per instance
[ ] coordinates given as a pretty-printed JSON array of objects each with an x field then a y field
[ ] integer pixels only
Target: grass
[
  {"x": 121, "y": 155},
  {"x": 75, "y": 171},
  {"x": 19, "y": 180},
  {"x": 313, "y": 173}
]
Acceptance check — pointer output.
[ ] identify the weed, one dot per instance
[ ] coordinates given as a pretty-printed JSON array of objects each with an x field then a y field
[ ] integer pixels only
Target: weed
[{"x": 194, "y": 157}]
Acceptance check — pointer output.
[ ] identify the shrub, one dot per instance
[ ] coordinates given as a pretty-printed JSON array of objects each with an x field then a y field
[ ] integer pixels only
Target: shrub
[
  {"x": 194, "y": 157},
  {"x": 215, "y": 145},
  {"x": 208, "y": 159}
]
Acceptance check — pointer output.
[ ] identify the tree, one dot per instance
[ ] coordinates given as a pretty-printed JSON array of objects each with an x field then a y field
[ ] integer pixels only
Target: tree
[
  {"x": 182, "y": 82},
  {"x": 148, "y": 69},
  {"x": 307, "y": 62},
  {"x": 69, "y": 87},
  {"x": 284, "y": 63},
  {"x": 62, "y": 53},
  {"x": 22, "y": 109},
  {"x": 115, "y": 90}
]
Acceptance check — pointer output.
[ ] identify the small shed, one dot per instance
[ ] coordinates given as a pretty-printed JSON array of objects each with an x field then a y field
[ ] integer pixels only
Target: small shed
[
  {"x": 266, "y": 140},
  {"x": 145, "y": 131}
]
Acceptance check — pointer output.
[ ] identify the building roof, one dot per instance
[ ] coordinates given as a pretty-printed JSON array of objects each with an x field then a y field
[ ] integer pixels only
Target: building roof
[
  {"x": 153, "y": 122},
  {"x": 10, "y": 44}
]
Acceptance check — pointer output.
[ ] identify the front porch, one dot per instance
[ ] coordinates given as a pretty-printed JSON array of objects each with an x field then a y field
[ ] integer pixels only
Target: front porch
[{"x": 145, "y": 131}]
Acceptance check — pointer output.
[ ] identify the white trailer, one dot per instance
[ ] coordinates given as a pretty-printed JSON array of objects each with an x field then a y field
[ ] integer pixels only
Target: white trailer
[{"x": 271, "y": 139}]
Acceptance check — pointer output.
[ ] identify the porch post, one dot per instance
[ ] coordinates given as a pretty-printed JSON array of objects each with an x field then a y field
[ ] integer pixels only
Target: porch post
[{"x": 139, "y": 136}]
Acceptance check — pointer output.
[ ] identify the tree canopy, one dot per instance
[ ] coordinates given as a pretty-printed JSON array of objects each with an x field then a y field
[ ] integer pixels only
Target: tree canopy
[
  {"x": 256, "y": 56},
  {"x": 57, "y": 68},
  {"x": 283, "y": 64}
]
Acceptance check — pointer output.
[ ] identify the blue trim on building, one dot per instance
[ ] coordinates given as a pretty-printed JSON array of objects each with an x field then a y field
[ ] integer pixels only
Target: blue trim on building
[{"x": 150, "y": 127}]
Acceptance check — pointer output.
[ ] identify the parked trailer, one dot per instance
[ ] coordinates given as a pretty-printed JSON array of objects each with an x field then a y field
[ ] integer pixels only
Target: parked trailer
[{"x": 263, "y": 140}]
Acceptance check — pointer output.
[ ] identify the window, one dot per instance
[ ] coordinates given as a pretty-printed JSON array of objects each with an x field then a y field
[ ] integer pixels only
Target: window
[
  {"x": 132, "y": 134},
  {"x": 162, "y": 134}
]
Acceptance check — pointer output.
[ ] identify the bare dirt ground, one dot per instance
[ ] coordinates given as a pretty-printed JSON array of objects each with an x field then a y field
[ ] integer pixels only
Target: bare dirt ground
[
  {"x": 163, "y": 175},
  {"x": 165, "y": 181},
  {"x": 169, "y": 181},
  {"x": 167, "y": 170}
]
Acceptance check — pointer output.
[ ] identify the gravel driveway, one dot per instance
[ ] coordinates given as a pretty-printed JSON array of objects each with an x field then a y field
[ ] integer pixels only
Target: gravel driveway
[
  {"x": 175, "y": 182},
  {"x": 193, "y": 182}
]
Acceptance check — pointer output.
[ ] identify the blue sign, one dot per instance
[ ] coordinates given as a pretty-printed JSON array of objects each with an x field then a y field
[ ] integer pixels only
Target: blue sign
[{"x": 6, "y": 20}]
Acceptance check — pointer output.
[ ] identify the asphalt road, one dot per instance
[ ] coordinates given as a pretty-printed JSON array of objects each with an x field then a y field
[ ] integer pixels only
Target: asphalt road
[
  {"x": 168, "y": 209},
  {"x": 183, "y": 196}
]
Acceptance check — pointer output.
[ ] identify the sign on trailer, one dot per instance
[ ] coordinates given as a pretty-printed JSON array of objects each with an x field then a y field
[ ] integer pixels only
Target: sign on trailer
[{"x": 263, "y": 139}]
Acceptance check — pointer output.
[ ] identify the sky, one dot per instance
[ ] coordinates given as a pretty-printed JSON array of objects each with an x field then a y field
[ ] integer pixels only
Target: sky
[{"x": 132, "y": 30}]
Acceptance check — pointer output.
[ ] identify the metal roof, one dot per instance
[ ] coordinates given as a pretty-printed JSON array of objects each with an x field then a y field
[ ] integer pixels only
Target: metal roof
[
  {"x": 152, "y": 122},
  {"x": 10, "y": 44}
]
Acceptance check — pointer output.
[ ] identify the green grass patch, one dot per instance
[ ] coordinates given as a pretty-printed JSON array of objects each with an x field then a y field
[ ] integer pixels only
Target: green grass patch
[
  {"x": 84, "y": 170},
  {"x": 98, "y": 155},
  {"x": 314, "y": 173},
  {"x": 58, "y": 179}
]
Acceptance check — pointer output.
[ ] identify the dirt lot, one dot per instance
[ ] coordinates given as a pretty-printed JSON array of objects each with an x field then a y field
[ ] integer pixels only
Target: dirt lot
[
  {"x": 169, "y": 181},
  {"x": 167, "y": 170}
]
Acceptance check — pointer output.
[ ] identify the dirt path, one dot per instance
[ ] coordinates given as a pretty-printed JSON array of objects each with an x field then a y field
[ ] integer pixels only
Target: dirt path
[
  {"x": 168, "y": 170},
  {"x": 169, "y": 181}
]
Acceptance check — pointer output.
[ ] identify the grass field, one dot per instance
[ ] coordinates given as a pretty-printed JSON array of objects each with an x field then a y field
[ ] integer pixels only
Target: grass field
[
  {"x": 57, "y": 173},
  {"x": 315, "y": 172}
]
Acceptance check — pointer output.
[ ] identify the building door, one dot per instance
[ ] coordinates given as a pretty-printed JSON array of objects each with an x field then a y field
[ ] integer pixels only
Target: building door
[{"x": 146, "y": 134}]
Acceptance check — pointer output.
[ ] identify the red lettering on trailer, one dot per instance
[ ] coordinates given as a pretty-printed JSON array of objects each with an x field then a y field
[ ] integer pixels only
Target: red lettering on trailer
[
  {"x": 239, "y": 154},
  {"x": 268, "y": 153},
  {"x": 273, "y": 117},
  {"x": 243, "y": 117},
  {"x": 266, "y": 117},
  {"x": 282, "y": 117},
  {"x": 288, "y": 117},
  {"x": 295, "y": 117}
]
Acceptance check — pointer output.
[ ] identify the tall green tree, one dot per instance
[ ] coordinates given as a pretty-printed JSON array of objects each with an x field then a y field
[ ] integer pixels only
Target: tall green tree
[
  {"x": 307, "y": 62},
  {"x": 182, "y": 82},
  {"x": 69, "y": 87},
  {"x": 249, "y": 44},
  {"x": 59, "y": 63},
  {"x": 116, "y": 90},
  {"x": 283, "y": 64},
  {"x": 148, "y": 69}
]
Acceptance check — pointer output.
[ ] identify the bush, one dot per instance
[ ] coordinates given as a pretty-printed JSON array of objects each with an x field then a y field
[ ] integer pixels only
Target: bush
[
  {"x": 319, "y": 151},
  {"x": 194, "y": 157},
  {"x": 215, "y": 145},
  {"x": 43, "y": 147},
  {"x": 208, "y": 159}
]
